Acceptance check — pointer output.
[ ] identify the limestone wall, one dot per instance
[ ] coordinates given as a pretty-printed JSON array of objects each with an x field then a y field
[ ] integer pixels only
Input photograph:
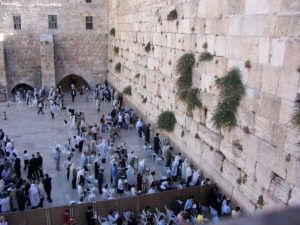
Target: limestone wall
[
  {"x": 77, "y": 50},
  {"x": 262, "y": 162}
]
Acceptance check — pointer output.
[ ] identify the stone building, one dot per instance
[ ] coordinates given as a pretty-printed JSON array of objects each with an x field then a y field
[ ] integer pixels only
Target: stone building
[
  {"x": 257, "y": 163},
  {"x": 44, "y": 41}
]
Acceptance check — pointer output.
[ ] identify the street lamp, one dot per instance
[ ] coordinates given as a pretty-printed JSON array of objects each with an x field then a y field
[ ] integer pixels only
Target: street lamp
[{"x": 5, "y": 118}]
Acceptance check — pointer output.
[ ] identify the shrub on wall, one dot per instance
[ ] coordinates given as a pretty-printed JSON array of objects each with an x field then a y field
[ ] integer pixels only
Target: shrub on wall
[
  {"x": 148, "y": 47},
  {"x": 185, "y": 81},
  {"x": 112, "y": 32},
  {"x": 127, "y": 91},
  {"x": 172, "y": 15},
  {"x": 118, "y": 67},
  {"x": 206, "y": 56},
  {"x": 166, "y": 121},
  {"x": 231, "y": 92},
  {"x": 296, "y": 116},
  {"x": 116, "y": 50}
]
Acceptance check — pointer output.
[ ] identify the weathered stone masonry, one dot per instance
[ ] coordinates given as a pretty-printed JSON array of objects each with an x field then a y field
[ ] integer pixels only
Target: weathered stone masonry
[
  {"x": 261, "y": 156},
  {"x": 32, "y": 59}
]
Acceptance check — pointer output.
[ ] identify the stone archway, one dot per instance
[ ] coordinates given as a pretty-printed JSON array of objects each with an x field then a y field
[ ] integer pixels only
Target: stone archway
[
  {"x": 78, "y": 81},
  {"x": 22, "y": 87}
]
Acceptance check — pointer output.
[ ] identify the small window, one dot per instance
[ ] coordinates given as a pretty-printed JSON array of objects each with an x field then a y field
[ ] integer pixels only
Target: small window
[
  {"x": 17, "y": 22},
  {"x": 88, "y": 1},
  {"x": 52, "y": 22},
  {"x": 89, "y": 22}
]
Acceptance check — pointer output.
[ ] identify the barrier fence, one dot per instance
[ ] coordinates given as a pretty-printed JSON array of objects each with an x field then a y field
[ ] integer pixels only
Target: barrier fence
[{"x": 53, "y": 216}]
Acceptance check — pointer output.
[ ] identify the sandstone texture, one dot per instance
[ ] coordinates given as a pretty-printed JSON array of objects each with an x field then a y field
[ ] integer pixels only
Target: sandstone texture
[{"x": 260, "y": 157}]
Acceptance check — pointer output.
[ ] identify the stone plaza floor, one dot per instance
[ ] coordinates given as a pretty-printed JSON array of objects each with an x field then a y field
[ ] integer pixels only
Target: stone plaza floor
[{"x": 40, "y": 133}]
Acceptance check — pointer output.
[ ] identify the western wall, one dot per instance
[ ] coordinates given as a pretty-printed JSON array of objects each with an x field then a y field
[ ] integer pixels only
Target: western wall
[{"x": 257, "y": 163}]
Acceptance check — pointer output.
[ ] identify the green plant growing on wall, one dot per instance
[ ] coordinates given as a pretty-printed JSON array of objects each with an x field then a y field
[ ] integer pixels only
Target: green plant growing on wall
[
  {"x": 112, "y": 32},
  {"x": 148, "y": 47},
  {"x": 206, "y": 56},
  {"x": 296, "y": 115},
  {"x": 166, "y": 121},
  {"x": 185, "y": 81},
  {"x": 172, "y": 15},
  {"x": 116, "y": 50},
  {"x": 231, "y": 92},
  {"x": 144, "y": 100},
  {"x": 127, "y": 91},
  {"x": 184, "y": 68},
  {"x": 192, "y": 99},
  {"x": 260, "y": 201},
  {"x": 137, "y": 76},
  {"x": 118, "y": 67},
  {"x": 110, "y": 60}
]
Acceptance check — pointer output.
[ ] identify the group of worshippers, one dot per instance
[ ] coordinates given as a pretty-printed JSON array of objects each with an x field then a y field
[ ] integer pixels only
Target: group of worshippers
[
  {"x": 126, "y": 173},
  {"x": 178, "y": 212},
  {"x": 18, "y": 193}
]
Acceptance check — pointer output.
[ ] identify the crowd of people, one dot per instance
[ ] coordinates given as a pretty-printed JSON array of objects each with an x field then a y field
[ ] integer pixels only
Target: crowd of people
[
  {"x": 17, "y": 192},
  {"x": 105, "y": 168}
]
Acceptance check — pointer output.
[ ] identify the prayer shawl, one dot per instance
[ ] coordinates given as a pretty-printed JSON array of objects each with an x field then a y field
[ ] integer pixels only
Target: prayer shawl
[
  {"x": 183, "y": 169},
  {"x": 34, "y": 195},
  {"x": 141, "y": 166},
  {"x": 103, "y": 149},
  {"x": 189, "y": 173},
  {"x": 195, "y": 178},
  {"x": 130, "y": 176},
  {"x": 174, "y": 168}
]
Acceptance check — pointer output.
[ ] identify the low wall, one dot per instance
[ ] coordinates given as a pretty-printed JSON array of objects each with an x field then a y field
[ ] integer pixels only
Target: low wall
[{"x": 53, "y": 216}]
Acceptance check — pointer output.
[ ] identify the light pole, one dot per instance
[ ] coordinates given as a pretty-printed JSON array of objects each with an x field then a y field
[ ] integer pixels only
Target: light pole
[{"x": 5, "y": 118}]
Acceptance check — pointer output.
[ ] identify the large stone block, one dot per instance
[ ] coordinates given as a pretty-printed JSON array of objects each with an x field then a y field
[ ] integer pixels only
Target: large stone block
[
  {"x": 292, "y": 169},
  {"x": 277, "y": 52},
  {"x": 280, "y": 189},
  {"x": 235, "y": 23},
  {"x": 264, "y": 50},
  {"x": 295, "y": 197},
  {"x": 253, "y": 25},
  {"x": 292, "y": 142},
  {"x": 243, "y": 201},
  {"x": 288, "y": 84},
  {"x": 253, "y": 7},
  {"x": 263, "y": 175},
  {"x": 292, "y": 50},
  {"x": 231, "y": 172},
  {"x": 270, "y": 79}
]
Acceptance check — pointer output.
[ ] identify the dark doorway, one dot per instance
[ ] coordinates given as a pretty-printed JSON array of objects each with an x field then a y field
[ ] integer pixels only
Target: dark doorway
[
  {"x": 23, "y": 88},
  {"x": 78, "y": 81}
]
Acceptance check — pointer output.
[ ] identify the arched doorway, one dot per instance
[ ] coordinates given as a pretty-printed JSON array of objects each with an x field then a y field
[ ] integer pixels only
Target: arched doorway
[
  {"x": 23, "y": 88},
  {"x": 78, "y": 81}
]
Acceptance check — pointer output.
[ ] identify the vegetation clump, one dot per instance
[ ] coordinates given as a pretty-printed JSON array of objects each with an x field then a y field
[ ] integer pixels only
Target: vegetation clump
[
  {"x": 296, "y": 115},
  {"x": 231, "y": 92},
  {"x": 112, "y": 32},
  {"x": 148, "y": 47},
  {"x": 185, "y": 81},
  {"x": 137, "y": 76},
  {"x": 206, "y": 56},
  {"x": 172, "y": 15},
  {"x": 127, "y": 91},
  {"x": 116, "y": 50},
  {"x": 166, "y": 121},
  {"x": 118, "y": 67}
]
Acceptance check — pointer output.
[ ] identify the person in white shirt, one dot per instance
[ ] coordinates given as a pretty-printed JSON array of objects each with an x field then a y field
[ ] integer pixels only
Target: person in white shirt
[
  {"x": 120, "y": 188},
  {"x": 95, "y": 131},
  {"x": 5, "y": 204}
]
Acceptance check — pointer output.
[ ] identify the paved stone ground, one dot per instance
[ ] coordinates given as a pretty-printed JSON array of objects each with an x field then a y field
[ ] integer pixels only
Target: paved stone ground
[{"x": 35, "y": 132}]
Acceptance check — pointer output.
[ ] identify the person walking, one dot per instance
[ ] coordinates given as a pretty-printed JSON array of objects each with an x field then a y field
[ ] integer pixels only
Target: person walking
[
  {"x": 41, "y": 106},
  {"x": 47, "y": 186},
  {"x": 56, "y": 156}
]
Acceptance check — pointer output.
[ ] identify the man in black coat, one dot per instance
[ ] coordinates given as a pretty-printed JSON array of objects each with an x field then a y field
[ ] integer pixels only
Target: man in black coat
[
  {"x": 21, "y": 198},
  {"x": 90, "y": 216},
  {"x": 100, "y": 180},
  {"x": 17, "y": 166},
  {"x": 47, "y": 187},
  {"x": 156, "y": 144},
  {"x": 40, "y": 165},
  {"x": 147, "y": 133},
  {"x": 34, "y": 167}
]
